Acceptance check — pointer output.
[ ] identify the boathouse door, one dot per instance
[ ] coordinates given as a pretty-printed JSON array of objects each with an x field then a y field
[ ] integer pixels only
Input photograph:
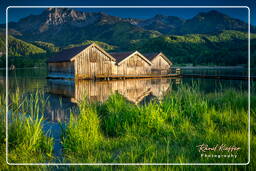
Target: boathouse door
[
  {"x": 93, "y": 69},
  {"x": 93, "y": 66}
]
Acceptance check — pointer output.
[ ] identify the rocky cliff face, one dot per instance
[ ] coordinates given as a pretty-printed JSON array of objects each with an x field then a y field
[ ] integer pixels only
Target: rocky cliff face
[
  {"x": 206, "y": 22},
  {"x": 56, "y": 17}
]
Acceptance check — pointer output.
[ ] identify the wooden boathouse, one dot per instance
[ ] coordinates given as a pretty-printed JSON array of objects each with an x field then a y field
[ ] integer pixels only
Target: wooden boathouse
[
  {"x": 93, "y": 62},
  {"x": 160, "y": 63},
  {"x": 131, "y": 64},
  {"x": 89, "y": 61}
]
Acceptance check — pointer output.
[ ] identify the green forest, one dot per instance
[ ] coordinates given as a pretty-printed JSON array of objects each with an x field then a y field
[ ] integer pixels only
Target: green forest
[{"x": 225, "y": 48}]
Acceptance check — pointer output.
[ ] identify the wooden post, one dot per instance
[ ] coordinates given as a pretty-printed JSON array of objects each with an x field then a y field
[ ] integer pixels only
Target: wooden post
[{"x": 178, "y": 71}]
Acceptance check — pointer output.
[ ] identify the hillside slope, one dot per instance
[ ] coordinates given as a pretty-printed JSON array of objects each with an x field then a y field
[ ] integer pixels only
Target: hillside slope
[
  {"x": 19, "y": 47},
  {"x": 63, "y": 27},
  {"x": 224, "y": 48}
]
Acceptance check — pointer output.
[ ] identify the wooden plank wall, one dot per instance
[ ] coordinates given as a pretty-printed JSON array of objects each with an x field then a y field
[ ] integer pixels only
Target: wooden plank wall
[
  {"x": 159, "y": 65},
  {"x": 135, "y": 65},
  {"x": 92, "y": 63}
]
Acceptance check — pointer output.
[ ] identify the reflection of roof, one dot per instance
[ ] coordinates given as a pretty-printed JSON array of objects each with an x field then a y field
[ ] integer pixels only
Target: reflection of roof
[
  {"x": 119, "y": 56},
  {"x": 150, "y": 56},
  {"x": 66, "y": 54},
  {"x": 138, "y": 97}
]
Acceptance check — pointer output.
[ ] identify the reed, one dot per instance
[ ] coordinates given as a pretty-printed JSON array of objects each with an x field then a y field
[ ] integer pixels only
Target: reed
[
  {"x": 160, "y": 131},
  {"x": 26, "y": 140},
  {"x": 119, "y": 131},
  {"x": 84, "y": 129}
]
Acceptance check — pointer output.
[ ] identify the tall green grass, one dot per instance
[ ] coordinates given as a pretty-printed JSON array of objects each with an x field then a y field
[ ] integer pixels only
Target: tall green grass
[
  {"x": 160, "y": 131},
  {"x": 2, "y": 130},
  {"x": 118, "y": 131},
  {"x": 27, "y": 143},
  {"x": 84, "y": 130}
]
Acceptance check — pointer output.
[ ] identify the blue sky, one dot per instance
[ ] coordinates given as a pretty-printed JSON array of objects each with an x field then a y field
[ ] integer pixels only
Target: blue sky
[
  {"x": 15, "y": 14},
  {"x": 142, "y": 13}
]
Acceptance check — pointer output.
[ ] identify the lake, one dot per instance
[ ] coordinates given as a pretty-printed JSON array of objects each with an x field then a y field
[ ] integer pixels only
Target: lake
[{"x": 65, "y": 94}]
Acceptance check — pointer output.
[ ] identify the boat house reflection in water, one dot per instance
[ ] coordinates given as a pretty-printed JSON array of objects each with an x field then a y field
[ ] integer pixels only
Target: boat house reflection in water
[{"x": 134, "y": 90}]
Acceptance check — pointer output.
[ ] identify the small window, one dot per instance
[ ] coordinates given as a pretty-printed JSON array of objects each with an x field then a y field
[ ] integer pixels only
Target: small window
[
  {"x": 131, "y": 63},
  {"x": 139, "y": 63},
  {"x": 92, "y": 58}
]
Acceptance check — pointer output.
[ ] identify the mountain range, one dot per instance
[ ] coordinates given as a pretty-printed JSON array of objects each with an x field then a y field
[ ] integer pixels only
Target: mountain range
[
  {"x": 206, "y": 34},
  {"x": 63, "y": 26}
]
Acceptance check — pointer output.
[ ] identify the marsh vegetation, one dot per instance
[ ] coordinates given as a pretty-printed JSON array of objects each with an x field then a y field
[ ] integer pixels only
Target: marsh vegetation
[
  {"x": 166, "y": 130},
  {"x": 160, "y": 131}
]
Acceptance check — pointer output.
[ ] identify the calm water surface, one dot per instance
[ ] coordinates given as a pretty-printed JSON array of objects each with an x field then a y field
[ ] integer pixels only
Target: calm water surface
[{"x": 64, "y": 94}]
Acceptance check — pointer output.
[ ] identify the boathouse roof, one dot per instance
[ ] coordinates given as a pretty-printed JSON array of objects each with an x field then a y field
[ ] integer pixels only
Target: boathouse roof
[
  {"x": 151, "y": 56},
  {"x": 119, "y": 56},
  {"x": 122, "y": 56},
  {"x": 66, "y": 54}
]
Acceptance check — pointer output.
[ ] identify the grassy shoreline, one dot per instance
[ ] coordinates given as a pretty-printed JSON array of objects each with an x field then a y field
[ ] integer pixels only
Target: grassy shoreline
[
  {"x": 170, "y": 130},
  {"x": 119, "y": 131},
  {"x": 27, "y": 143}
]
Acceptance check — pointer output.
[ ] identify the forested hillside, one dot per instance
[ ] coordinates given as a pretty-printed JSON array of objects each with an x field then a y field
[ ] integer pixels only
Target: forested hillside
[
  {"x": 224, "y": 48},
  {"x": 209, "y": 38}
]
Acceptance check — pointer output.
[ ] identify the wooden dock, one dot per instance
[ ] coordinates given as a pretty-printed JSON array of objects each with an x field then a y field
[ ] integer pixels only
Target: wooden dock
[
  {"x": 176, "y": 74},
  {"x": 225, "y": 77},
  {"x": 138, "y": 76},
  {"x": 112, "y": 77}
]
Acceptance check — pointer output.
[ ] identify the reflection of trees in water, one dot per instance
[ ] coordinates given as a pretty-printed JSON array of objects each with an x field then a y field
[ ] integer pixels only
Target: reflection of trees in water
[
  {"x": 134, "y": 90},
  {"x": 59, "y": 109}
]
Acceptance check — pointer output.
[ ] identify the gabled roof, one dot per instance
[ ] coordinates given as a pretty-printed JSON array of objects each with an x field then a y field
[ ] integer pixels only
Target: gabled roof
[
  {"x": 67, "y": 54},
  {"x": 119, "y": 56},
  {"x": 151, "y": 56},
  {"x": 123, "y": 56},
  {"x": 138, "y": 97}
]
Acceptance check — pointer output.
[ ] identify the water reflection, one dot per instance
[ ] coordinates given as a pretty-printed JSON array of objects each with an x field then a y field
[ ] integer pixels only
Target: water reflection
[
  {"x": 58, "y": 110},
  {"x": 134, "y": 90},
  {"x": 64, "y": 94}
]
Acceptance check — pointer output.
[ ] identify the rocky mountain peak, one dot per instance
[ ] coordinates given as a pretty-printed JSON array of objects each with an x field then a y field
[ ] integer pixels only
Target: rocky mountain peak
[
  {"x": 56, "y": 16},
  {"x": 58, "y": 20}
]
